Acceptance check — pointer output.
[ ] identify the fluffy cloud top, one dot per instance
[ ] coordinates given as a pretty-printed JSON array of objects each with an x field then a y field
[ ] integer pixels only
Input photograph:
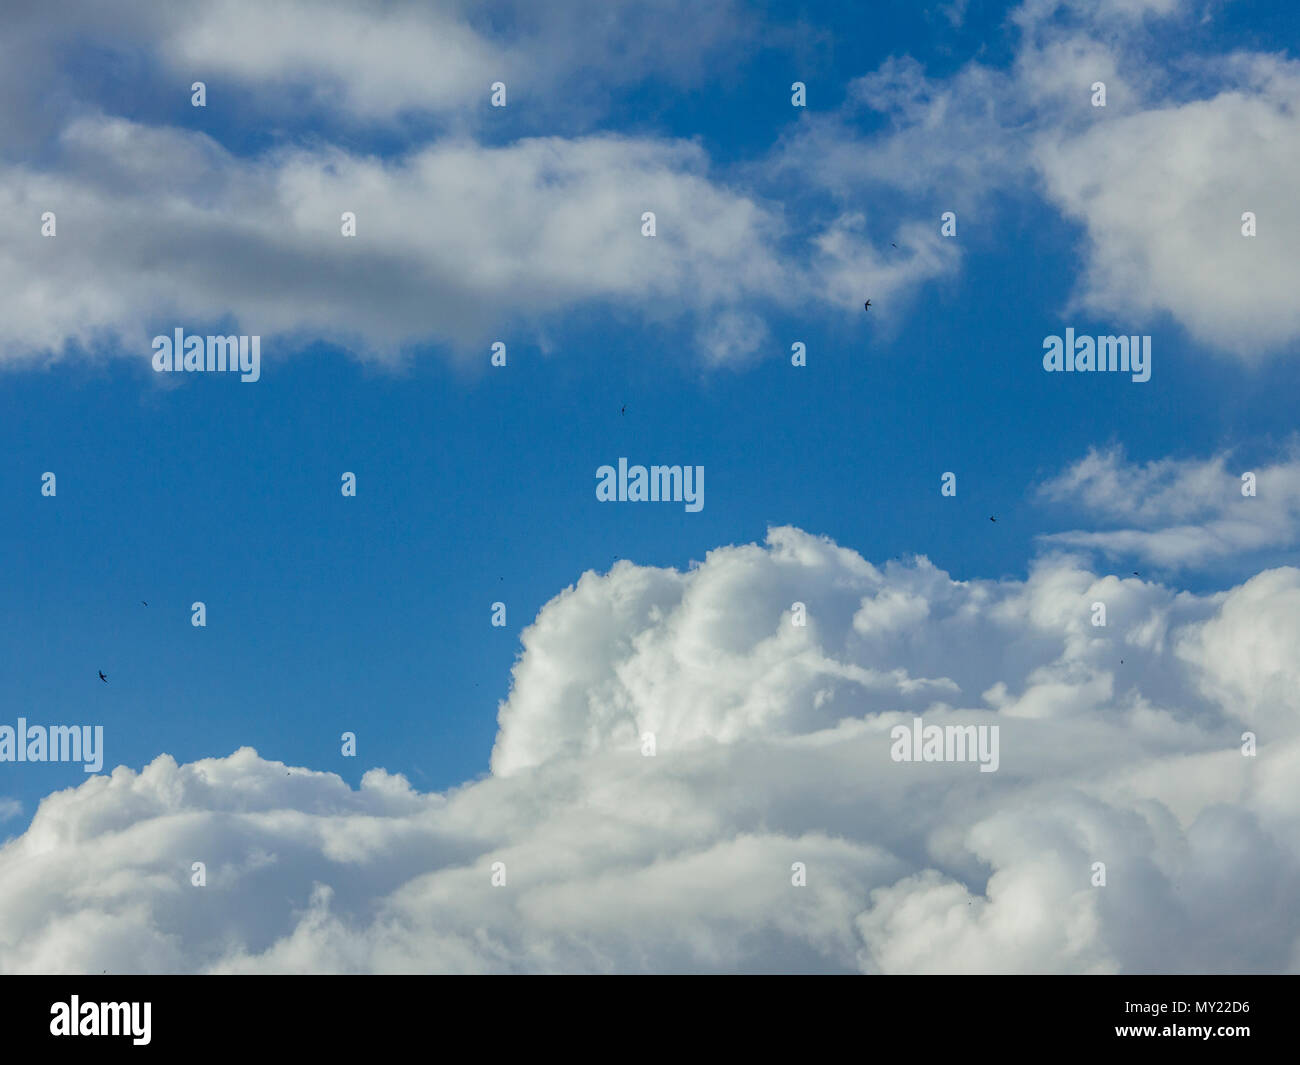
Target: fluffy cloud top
[
  {"x": 1162, "y": 193},
  {"x": 772, "y": 747}
]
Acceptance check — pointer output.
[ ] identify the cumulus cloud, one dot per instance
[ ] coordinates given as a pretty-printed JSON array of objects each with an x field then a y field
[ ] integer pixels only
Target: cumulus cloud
[
  {"x": 442, "y": 57},
  {"x": 451, "y": 240},
  {"x": 1162, "y": 194},
  {"x": 369, "y": 62},
  {"x": 772, "y": 747},
  {"x": 1158, "y": 179},
  {"x": 466, "y": 229},
  {"x": 1179, "y": 512},
  {"x": 461, "y": 230}
]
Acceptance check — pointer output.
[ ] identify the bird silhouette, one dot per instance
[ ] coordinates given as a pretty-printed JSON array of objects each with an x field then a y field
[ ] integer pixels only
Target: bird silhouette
[
  {"x": 624, "y": 410},
  {"x": 1136, "y": 573},
  {"x": 146, "y": 604},
  {"x": 892, "y": 244},
  {"x": 867, "y": 305},
  {"x": 993, "y": 519},
  {"x": 102, "y": 677}
]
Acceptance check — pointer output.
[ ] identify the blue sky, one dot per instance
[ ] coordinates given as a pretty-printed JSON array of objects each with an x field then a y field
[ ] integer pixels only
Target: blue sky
[{"x": 476, "y": 485}]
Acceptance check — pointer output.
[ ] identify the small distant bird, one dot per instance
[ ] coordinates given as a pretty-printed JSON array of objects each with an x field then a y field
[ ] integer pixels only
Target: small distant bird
[
  {"x": 1121, "y": 661},
  {"x": 893, "y": 245},
  {"x": 993, "y": 519},
  {"x": 867, "y": 305},
  {"x": 102, "y": 677},
  {"x": 624, "y": 410},
  {"x": 1136, "y": 573},
  {"x": 146, "y": 604}
]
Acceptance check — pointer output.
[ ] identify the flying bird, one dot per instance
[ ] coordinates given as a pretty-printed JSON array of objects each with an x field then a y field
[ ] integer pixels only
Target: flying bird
[
  {"x": 146, "y": 604},
  {"x": 867, "y": 305},
  {"x": 893, "y": 245},
  {"x": 624, "y": 410},
  {"x": 1136, "y": 573},
  {"x": 102, "y": 677},
  {"x": 993, "y": 519}
]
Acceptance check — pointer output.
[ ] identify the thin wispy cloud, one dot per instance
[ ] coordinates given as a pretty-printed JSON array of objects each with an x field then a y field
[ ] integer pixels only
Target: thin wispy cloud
[{"x": 1179, "y": 513}]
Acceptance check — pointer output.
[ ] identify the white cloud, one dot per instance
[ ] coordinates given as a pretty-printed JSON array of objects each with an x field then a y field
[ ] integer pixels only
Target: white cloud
[
  {"x": 1246, "y": 662},
  {"x": 1158, "y": 179},
  {"x": 388, "y": 63},
  {"x": 1162, "y": 193},
  {"x": 441, "y": 57},
  {"x": 772, "y": 748},
  {"x": 453, "y": 241},
  {"x": 1179, "y": 512},
  {"x": 469, "y": 227},
  {"x": 852, "y": 266},
  {"x": 371, "y": 62},
  {"x": 458, "y": 236}
]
